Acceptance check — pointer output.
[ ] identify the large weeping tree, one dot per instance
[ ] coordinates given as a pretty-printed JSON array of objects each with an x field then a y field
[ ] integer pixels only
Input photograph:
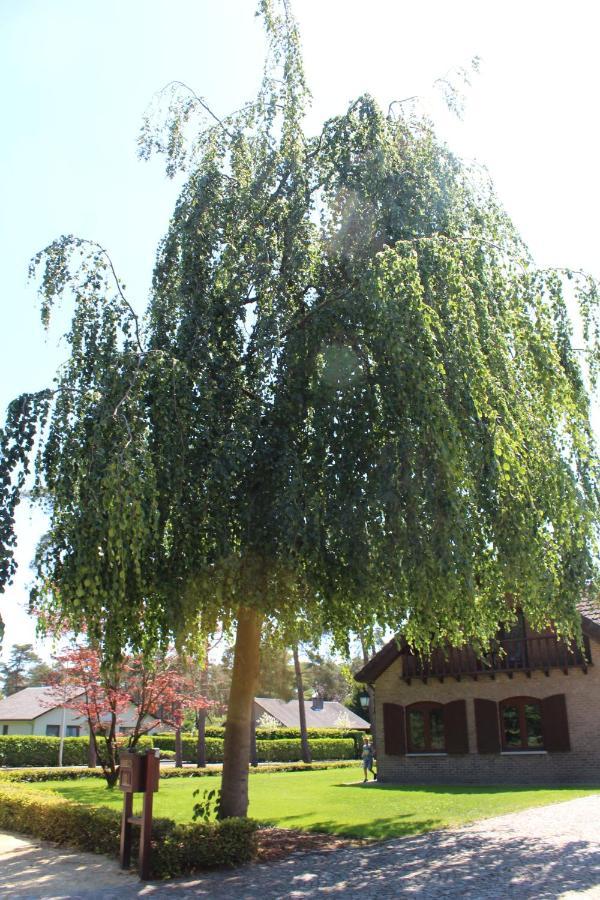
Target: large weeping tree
[{"x": 353, "y": 401}]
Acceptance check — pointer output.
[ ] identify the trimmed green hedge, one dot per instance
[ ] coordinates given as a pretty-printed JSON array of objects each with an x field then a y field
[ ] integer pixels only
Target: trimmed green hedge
[
  {"x": 291, "y": 750},
  {"x": 286, "y": 750},
  {"x": 189, "y": 745},
  {"x": 32, "y": 775},
  {"x": 37, "y": 750},
  {"x": 167, "y": 741},
  {"x": 176, "y": 849}
]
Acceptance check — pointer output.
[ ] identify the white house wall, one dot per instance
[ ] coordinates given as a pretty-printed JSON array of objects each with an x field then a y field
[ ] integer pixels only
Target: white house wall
[
  {"x": 15, "y": 727},
  {"x": 54, "y": 717}
]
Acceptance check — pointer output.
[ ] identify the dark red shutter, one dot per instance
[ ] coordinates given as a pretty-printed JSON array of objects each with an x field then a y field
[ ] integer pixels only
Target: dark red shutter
[
  {"x": 555, "y": 724},
  {"x": 455, "y": 727},
  {"x": 487, "y": 726},
  {"x": 393, "y": 729}
]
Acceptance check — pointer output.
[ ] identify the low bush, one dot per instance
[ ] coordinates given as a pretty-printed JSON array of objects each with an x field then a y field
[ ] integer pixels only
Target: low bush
[
  {"x": 167, "y": 741},
  {"x": 56, "y": 773},
  {"x": 176, "y": 849},
  {"x": 31, "y": 775},
  {"x": 314, "y": 734},
  {"x": 189, "y": 747},
  {"x": 37, "y": 750},
  {"x": 291, "y": 750},
  {"x": 263, "y": 769},
  {"x": 283, "y": 750}
]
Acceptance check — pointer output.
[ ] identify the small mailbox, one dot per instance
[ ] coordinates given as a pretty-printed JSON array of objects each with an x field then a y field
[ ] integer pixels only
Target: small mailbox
[
  {"x": 132, "y": 772},
  {"x": 138, "y": 773}
]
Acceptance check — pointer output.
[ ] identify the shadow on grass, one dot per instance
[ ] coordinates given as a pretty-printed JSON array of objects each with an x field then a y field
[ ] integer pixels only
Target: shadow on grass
[
  {"x": 97, "y": 795},
  {"x": 469, "y": 789},
  {"x": 373, "y": 829}
]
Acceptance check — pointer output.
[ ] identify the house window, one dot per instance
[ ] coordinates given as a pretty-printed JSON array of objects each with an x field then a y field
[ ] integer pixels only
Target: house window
[
  {"x": 5, "y": 729},
  {"x": 73, "y": 730},
  {"x": 425, "y": 723},
  {"x": 52, "y": 730},
  {"x": 521, "y": 719}
]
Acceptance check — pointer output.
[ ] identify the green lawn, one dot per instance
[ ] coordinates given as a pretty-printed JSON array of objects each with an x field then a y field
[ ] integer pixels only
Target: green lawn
[{"x": 332, "y": 801}]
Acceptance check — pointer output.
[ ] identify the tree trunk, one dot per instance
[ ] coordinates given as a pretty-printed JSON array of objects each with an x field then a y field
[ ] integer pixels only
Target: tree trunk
[
  {"x": 201, "y": 744},
  {"x": 178, "y": 749},
  {"x": 253, "y": 749},
  {"x": 92, "y": 755},
  {"x": 306, "y": 757},
  {"x": 234, "y": 786},
  {"x": 202, "y": 714},
  {"x": 371, "y": 693}
]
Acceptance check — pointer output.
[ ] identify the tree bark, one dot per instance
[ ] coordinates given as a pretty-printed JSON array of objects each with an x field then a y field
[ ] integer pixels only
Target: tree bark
[
  {"x": 306, "y": 755},
  {"x": 234, "y": 786},
  {"x": 202, "y": 714},
  {"x": 178, "y": 749},
  {"x": 371, "y": 693},
  {"x": 92, "y": 754},
  {"x": 201, "y": 745},
  {"x": 253, "y": 749}
]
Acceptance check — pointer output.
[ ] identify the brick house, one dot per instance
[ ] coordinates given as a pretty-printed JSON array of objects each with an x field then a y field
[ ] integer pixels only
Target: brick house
[{"x": 527, "y": 712}]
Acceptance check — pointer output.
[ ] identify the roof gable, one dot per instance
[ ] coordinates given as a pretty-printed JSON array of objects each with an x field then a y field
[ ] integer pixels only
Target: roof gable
[
  {"x": 289, "y": 713},
  {"x": 590, "y": 625},
  {"x": 32, "y": 702}
]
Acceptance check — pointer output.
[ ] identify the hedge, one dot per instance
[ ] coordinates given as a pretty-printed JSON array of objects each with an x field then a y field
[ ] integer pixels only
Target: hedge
[
  {"x": 167, "y": 741},
  {"x": 37, "y": 750},
  {"x": 56, "y": 773},
  {"x": 287, "y": 750},
  {"x": 176, "y": 849},
  {"x": 189, "y": 746},
  {"x": 291, "y": 750},
  {"x": 32, "y": 775}
]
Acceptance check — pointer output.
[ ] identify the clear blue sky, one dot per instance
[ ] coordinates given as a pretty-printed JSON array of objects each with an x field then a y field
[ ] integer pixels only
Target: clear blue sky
[{"x": 75, "y": 78}]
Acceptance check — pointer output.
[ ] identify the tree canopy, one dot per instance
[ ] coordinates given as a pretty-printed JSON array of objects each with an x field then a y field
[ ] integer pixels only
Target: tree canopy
[{"x": 353, "y": 399}]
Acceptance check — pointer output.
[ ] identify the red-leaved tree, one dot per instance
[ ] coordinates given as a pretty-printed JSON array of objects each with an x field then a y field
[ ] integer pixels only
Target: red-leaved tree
[{"x": 125, "y": 702}]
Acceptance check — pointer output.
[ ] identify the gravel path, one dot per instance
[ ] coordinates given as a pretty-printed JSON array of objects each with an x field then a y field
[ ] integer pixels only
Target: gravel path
[{"x": 546, "y": 853}]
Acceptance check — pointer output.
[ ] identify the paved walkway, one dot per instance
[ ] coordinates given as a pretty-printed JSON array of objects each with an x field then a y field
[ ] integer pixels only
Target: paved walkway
[{"x": 549, "y": 853}]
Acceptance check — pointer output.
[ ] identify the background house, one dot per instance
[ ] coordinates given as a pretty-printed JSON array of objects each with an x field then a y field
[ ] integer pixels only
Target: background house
[
  {"x": 319, "y": 713},
  {"x": 41, "y": 711},
  {"x": 526, "y": 712}
]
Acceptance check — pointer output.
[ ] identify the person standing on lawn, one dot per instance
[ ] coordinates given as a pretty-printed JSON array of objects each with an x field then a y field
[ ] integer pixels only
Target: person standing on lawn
[{"x": 367, "y": 759}]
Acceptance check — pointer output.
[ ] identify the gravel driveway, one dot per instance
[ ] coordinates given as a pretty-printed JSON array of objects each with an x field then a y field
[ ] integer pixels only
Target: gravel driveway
[{"x": 546, "y": 853}]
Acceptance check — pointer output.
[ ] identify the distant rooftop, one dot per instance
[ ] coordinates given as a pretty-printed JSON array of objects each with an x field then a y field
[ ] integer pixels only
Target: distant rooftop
[
  {"x": 288, "y": 714},
  {"x": 32, "y": 702}
]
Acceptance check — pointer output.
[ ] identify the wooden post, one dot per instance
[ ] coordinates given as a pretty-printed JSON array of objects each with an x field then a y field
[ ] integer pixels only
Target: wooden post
[
  {"x": 138, "y": 773},
  {"x": 152, "y": 776},
  {"x": 125, "y": 852}
]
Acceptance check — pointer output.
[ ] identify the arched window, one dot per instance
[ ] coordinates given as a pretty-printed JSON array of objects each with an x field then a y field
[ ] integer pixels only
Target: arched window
[
  {"x": 521, "y": 724},
  {"x": 425, "y": 728}
]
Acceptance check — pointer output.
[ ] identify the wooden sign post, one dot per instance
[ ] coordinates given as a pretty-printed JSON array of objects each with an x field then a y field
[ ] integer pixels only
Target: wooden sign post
[{"x": 138, "y": 773}]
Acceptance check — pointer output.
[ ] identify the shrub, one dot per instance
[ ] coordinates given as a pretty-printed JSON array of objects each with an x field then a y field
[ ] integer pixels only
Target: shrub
[
  {"x": 37, "y": 750},
  {"x": 176, "y": 849},
  {"x": 167, "y": 741},
  {"x": 189, "y": 746},
  {"x": 291, "y": 750},
  {"x": 56, "y": 773},
  {"x": 263, "y": 769},
  {"x": 31, "y": 775},
  {"x": 270, "y": 750}
]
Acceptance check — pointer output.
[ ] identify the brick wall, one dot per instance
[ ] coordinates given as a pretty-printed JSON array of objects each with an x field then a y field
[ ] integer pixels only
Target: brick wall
[{"x": 580, "y": 765}]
